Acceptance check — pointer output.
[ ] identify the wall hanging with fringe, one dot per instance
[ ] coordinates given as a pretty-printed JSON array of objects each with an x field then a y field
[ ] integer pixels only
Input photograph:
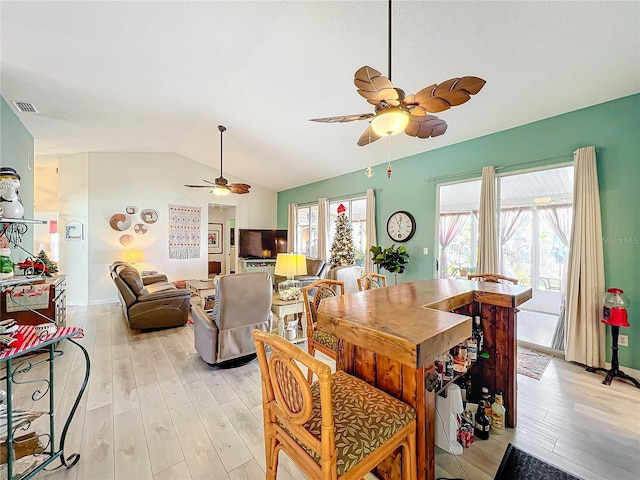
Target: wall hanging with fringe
[{"x": 184, "y": 232}]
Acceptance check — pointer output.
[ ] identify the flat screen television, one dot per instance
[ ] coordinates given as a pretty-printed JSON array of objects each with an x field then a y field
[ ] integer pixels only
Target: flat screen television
[{"x": 256, "y": 243}]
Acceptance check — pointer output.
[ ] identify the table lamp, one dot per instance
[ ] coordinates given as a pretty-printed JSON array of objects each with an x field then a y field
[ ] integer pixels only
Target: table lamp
[
  {"x": 133, "y": 256},
  {"x": 289, "y": 265}
]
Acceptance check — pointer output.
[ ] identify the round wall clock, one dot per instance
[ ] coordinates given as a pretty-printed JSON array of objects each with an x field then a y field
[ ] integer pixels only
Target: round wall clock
[{"x": 401, "y": 226}]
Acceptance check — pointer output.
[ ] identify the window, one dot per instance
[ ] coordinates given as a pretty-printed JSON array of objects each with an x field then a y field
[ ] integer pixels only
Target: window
[
  {"x": 356, "y": 213},
  {"x": 307, "y": 231},
  {"x": 458, "y": 229}
]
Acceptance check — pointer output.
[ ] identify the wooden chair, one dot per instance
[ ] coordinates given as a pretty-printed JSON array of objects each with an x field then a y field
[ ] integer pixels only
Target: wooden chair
[
  {"x": 371, "y": 281},
  {"x": 492, "y": 277},
  {"x": 317, "y": 339},
  {"x": 338, "y": 428}
]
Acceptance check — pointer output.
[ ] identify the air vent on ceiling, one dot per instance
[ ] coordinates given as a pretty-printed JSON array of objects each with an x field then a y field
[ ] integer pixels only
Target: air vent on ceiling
[{"x": 25, "y": 107}]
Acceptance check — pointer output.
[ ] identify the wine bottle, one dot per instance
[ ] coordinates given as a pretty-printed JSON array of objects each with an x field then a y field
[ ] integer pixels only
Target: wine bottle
[
  {"x": 483, "y": 423},
  {"x": 477, "y": 332}
]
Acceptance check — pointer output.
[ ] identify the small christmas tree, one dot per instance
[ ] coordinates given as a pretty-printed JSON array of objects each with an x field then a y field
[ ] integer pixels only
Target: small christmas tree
[
  {"x": 51, "y": 267},
  {"x": 342, "y": 251}
]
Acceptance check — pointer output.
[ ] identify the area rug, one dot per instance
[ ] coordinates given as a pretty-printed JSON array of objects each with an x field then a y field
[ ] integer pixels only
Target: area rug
[
  {"x": 532, "y": 363},
  {"x": 519, "y": 465}
]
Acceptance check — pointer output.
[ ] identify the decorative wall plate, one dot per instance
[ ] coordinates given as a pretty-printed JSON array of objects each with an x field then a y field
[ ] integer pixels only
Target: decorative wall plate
[
  {"x": 126, "y": 240},
  {"x": 140, "y": 228},
  {"x": 149, "y": 216},
  {"x": 131, "y": 210},
  {"x": 119, "y": 222}
]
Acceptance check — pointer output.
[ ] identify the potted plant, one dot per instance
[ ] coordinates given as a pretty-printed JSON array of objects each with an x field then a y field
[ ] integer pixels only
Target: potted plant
[{"x": 391, "y": 259}]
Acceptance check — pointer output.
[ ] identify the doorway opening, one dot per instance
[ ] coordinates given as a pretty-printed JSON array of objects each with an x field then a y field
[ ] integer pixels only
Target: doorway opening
[{"x": 222, "y": 257}]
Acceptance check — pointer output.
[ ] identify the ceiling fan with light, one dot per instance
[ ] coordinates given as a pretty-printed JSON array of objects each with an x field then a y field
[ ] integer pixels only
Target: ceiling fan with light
[
  {"x": 394, "y": 112},
  {"x": 221, "y": 186}
]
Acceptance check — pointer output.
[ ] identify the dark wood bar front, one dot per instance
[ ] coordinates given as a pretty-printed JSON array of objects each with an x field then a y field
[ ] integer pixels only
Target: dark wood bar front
[{"x": 391, "y": 336}]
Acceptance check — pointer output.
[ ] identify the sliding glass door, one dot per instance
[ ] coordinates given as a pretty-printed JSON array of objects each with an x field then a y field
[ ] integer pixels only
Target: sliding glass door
[
  {"x": 535, "y": 221},
  {"x": 535, "y": 212}
]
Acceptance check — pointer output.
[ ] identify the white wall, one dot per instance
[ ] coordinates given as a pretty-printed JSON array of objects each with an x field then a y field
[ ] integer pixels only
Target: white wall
[
  {"x": 73, "y": 193},
  {"x": 155, "y": 180}
]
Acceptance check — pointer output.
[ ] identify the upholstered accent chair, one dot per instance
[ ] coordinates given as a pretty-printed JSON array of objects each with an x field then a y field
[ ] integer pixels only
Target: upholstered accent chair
[
  {"x": 242, "y": 304},
  {"x": 371, "y": 281},
  {"x": 318, "y": 339},
  {"x": 492, "y": 277},
  {"x": 338, "y": 428},
  {"x": 151, "y": 301},
  {"x": 347, "y": 274}
]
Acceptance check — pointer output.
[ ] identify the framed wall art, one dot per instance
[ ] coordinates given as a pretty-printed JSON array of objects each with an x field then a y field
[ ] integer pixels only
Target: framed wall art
[
  {"x": 74, "y": 230},
  {"x": 214, "y": 238}
]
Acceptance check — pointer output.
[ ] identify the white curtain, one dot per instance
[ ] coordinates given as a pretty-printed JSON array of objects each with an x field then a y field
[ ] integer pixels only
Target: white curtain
[
  {"x": 370, "y": 231},
  {"x": 323, "y": 229},
  {"x": 487, "y": 228},
  {"x": 511, "y": 219},
  {"x": 585, "y": 342},
  {"x": 559, "y": 217},
  {"x": 450, "y": 226},
  {"x": 292, "y": 229}
]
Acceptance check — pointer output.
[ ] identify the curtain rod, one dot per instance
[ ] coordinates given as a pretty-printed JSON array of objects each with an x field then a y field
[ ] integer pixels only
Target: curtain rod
[
  {"x": 339, "y": 199},
  {"x": 479, "y": 172}
]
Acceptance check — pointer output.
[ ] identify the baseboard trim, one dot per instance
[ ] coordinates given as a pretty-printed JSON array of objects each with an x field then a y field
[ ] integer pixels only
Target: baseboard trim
[
  {"x": 632, "y": 372},
  {"x": 105, "y": 301},
  {"x": 560, "y": 354},
  {"x": 541, "y": 348}
]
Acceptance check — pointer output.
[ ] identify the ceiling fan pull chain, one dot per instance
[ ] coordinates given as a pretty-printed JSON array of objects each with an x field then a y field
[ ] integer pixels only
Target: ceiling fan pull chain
[
  {"x": 389, "y": 164},
  {"x": 369, "y": 172}
]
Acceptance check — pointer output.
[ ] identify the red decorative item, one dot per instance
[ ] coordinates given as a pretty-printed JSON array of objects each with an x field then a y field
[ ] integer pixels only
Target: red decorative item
[
  {"x": 389, "y": 171},
  {"x": 341, "y": 208},
  {"x": 32, "y": 267},
  {"x": 53, "y": 226},
  {"x": 615, "y": 313}
]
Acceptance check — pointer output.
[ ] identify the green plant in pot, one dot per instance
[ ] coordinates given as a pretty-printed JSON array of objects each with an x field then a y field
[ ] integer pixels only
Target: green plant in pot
[{"x": 393, "y": 259}]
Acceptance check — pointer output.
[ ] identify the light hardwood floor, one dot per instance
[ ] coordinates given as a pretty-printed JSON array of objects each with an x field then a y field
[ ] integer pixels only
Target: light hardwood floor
[{"x": 155, "y": 410}]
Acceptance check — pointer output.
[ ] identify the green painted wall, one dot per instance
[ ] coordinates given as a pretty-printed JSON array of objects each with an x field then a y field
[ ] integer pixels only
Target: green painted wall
[
  {"x": 16, "y": 150},
  {"x": 614, "y": 127}
]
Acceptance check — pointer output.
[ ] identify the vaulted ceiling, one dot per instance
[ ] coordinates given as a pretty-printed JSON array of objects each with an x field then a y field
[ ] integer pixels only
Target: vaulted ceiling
[{"x": 159, "y": 76}]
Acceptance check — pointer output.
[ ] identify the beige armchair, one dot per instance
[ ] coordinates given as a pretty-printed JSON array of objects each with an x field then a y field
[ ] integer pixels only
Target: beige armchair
[{"x": 242, "y": 304}]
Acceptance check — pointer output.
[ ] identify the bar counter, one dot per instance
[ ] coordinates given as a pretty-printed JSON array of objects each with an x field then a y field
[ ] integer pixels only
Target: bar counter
[{"x": 391, "y": 336}]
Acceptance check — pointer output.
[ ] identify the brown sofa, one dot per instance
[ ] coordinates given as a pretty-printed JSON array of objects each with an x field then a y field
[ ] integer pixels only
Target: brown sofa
[
  {"x": 151, "y": 301},
  {"x": 316, "y": 270}
]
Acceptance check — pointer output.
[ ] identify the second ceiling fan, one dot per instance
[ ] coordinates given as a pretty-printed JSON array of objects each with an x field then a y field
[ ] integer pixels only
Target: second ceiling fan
[
  {"x": 395, "y": 112},
  {"x": 221, "y": 186}
]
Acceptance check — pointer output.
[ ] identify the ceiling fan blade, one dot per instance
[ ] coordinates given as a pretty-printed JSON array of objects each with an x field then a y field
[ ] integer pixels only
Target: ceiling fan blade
[
  {"x": 208, "y": 181},
  {"x": 471, "y": 85},
  {"x": 343, "y": 118},
  {"x": 239, "y": 188},
  {"x": 198, "y": 186},
  {"x": 425, "y": 126},
  {"x": 373, "y": 86},
  {"x": 369, "y": 136},
  {"x": 451, "y": 93}
]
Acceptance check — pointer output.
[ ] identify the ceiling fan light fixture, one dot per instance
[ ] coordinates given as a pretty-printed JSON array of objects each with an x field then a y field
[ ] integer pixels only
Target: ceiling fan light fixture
[
  {"x": 390, "y": 121},
  {"x": 220, "y": 191}
]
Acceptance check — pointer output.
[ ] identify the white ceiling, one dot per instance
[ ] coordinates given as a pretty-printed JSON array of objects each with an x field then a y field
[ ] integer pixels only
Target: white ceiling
[{"x": 159, "y": 76}]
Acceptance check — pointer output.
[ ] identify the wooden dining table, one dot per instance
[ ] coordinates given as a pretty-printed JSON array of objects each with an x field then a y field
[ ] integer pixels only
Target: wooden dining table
[{"x": 390, "y": 337}]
